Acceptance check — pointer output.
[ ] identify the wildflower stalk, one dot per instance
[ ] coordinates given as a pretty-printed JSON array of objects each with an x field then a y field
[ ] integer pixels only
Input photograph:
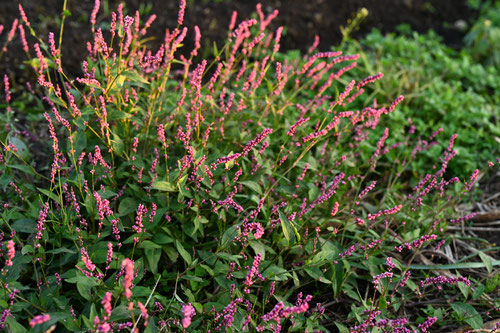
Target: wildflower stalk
[
  {"x": 17, "y": 296},
  {"x": 62, "y": 23},
  {"x": 25, "y": 163}
]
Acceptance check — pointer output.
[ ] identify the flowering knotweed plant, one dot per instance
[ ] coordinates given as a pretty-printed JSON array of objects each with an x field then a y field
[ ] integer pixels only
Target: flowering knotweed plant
[{"x": 182, "y": 194}]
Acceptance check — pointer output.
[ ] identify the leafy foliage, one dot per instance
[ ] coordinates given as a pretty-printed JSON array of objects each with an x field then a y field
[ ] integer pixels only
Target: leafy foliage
[
  {"x": 447, "y": 89},
  {"x": 236, "y": 193}
]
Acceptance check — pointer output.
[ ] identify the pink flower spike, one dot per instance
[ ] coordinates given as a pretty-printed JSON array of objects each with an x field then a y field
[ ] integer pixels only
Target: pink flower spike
[
  {"x": 233, "y": 20},
  {"x": 277, "y": 39},
  {"x": 37, "y": 320},
  {"x": 369, "y": 79},
  {"x": 11, "y": 253},
  {"x": 148, "y": 24},
  {"x": 112, "y": 27},
  {"x": 86, "y": 260},
  {"x": 367, "y": 189},
  {"x": 472, "y": 180},
  {"x": 107, "y": 304},
  {"x": 141, "y": 214},
  {"x": 346, "y": 92},
  {"x": 197, "y": 38},
  {"x": 40, "y": 226},
  {"x": 335, "y": 209},
  {"x": 428, "y": 323},
  {"x": 253, "y": 271},
  {"x": 109, "y": 256},
  {"x": 12, "y": 31},
  {"x": 314, "y": 45},
  {"x": 23, "y": 16},
  {"x": 129, "y": 276},
  {"x": 182, "y": 9},
  {"x": 41, "y": 59},
  {"x": 6, "y": 88},
  {"x": 396, "y": 102},
  {"x": 188, "y": 312},
  {"x": 97, "y": 3},
  {"x": 144, "y": 313},
  {"x": 23, "y": 38}
]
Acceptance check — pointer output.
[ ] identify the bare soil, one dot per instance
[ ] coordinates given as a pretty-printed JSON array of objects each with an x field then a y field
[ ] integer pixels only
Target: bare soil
[{"x": 302, "y": 19}]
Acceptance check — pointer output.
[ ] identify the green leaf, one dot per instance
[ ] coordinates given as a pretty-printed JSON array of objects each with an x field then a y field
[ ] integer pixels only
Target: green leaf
[
  {"x": 120, "y": 80},
  {"x": 24, "y": 225},
  {"x": 171, "y": 253},
  {"x": 382, "y": 303},
  {"x": 84, "y": 286},
  {"x": 27, "y": 249},
  {"x": 140, "y": 291},
  {"x": 317, "y": 274},
  {"x": 289, "y": 229},
  {"x": 118, "y": 115},
  {"x": 258, "y": 247},
  {"x": 18, "y": 265},
  {"x": 56, "y": 317},
  {"x": 468, "y": 314},
  {"x": 192, "y": 278},
  {"x": 14, "y": 326},
  {"x": 328, "y": 252},
  {"x": 164, "y": 186},
  {"x": 117, "y": 144},
  {"x": 197, "y": 224},
  {"x": 135, "y": 79},
  {"x": 228, "y": 236},
  {"x": 161, "y": 238},
  {"x": 252, "y": 185},
  {"x": 342, "y": 328},
  {"x": 120, "y": 313},
  {"x": 486, "y": 260},
  {"x": 79, "y": 141},
  {"x": 106, "y": 194},
  {"x": 184, "y": 254},
  {"x": 207, "y": 269},
  {"x": 24, "y": 168},
  {"x": 228, "y": 257},
  {"x": 61, "y": 250},
  {"x": 153, "y": 257},
  {"x": 216, "y": 51},
  {"x": 464, "y": 289},
  {"x": 276, "y": 273},
  {"x": 70, "y": 325},
  {"x": 478, "y": 291},
  {"x": 149, "y": 245},
  {"x": 22, "y": 150},
  {"x": 49, "y": 194},
  {"x": 127, "y": 206}
]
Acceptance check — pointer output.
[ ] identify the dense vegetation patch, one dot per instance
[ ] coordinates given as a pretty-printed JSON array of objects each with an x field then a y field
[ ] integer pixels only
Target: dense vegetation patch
[{"x": 252, "y": 191}]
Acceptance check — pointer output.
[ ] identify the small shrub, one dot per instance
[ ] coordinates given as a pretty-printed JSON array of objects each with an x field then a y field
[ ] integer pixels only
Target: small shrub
[{"x": 166, "y": 192}]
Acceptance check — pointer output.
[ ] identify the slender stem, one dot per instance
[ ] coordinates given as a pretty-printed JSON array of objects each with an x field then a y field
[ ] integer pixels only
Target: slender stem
[{"x": 62, "y": 23}]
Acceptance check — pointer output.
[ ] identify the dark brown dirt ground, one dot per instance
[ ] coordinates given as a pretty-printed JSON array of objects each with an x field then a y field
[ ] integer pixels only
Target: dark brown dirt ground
[{"x": 303, "y": 20}]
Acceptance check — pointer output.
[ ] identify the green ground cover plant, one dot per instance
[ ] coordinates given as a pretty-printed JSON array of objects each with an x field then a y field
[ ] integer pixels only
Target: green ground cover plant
[
  {"x": 252, "y": 191},
  {"x": 443, "y": 88},
  {"x": 483, "y": 39}
]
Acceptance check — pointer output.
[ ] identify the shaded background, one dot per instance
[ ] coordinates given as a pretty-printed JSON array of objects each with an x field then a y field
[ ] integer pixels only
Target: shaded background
[{"x": 302, "y": 19}]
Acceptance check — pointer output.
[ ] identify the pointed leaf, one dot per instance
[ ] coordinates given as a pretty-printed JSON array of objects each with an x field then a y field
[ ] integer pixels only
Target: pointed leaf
[{"x": 184, "y": 254}]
